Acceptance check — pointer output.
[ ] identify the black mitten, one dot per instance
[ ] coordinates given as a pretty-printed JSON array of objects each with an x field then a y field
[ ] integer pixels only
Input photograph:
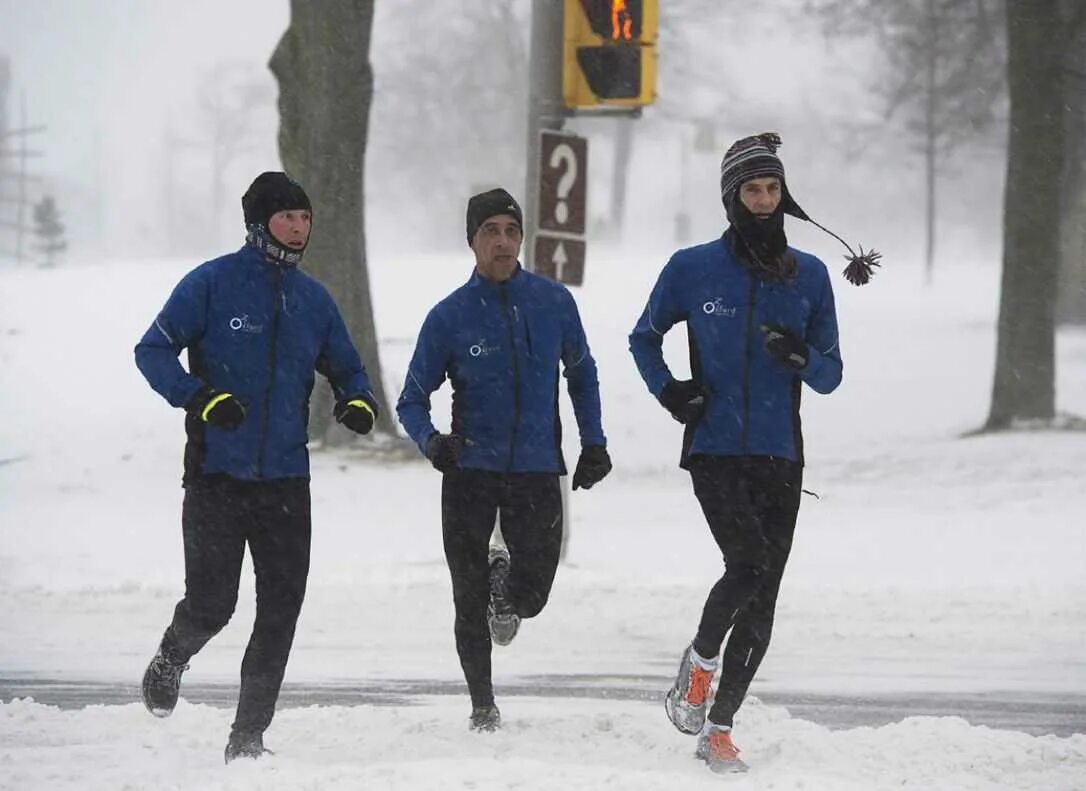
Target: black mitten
[
  {"x": 592, "y": 467},
  {"x": 684, "y": 399},
  {"x": 785, "y": 346},
  {"x": 443, "y": 451}
]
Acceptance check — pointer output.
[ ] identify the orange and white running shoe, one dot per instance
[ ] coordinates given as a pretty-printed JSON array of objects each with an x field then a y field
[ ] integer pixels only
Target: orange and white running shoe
[
  {"x": 688, "y": 699},
  {"x": 716, "y": 748}
]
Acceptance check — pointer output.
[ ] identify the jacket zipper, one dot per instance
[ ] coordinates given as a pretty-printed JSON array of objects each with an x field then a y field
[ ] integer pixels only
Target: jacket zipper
[
  {"x": 516, "y": 374},
  {"x": 527, "y": 330},
  {"x": 746, "y": 364},
  {"x": 277, "y": 297}
]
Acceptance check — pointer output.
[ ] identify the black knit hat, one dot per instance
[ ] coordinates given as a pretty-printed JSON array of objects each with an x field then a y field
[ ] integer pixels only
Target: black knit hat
[
  {"x": 756, "y": 157},
  {"x": 271, "y": 192},
  {"x": 751, "y": 158},
  {"x": 485, "y": 205}
]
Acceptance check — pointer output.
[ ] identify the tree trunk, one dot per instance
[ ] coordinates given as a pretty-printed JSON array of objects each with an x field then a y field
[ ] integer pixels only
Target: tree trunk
[
  {"x": 325, "y": 90},
  {"x": 620, "y": 174},
  {"x": 930, "y": 107},
  {"x": 1071, "y": 308},
  {"x": 1024, "y": 386},
  {"x": 5, "y": 84}
]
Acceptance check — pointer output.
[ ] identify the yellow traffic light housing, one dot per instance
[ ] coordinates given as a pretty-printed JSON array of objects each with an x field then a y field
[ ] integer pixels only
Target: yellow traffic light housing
[{"x": 609, "y": 52}]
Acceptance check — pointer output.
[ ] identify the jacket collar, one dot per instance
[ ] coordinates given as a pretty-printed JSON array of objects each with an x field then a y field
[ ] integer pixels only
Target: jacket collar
[
  {"x": 258, "y": 238},
  {"x": 477, "y": 281},
  {"x": 256, "y": 257}
]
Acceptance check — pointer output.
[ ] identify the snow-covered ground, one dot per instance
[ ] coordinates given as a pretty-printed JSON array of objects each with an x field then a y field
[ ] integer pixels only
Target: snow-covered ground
[{"x": 929, "y": 563}]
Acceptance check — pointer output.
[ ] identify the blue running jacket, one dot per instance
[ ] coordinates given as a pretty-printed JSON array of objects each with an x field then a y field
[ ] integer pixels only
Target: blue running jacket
[
  {"x": 499, "y": 344},
  {"x": 258, "y": 330},
  {"x": 753, "y": 402}
]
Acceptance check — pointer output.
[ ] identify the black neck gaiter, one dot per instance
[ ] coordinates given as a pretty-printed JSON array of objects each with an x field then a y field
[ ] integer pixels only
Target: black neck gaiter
[
  {"x": 262, "y": 240},
  {"x": 761, "y": 245}
]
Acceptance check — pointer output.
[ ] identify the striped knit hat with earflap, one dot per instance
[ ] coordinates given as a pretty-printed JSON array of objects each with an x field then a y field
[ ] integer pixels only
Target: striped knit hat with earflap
[{"x": 756, "y": 157}]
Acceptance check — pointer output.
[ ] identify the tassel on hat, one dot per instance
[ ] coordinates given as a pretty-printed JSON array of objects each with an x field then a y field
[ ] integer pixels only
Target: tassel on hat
[
  {"x": 756, "y": 157},
  {"x": 861, "y": 266}
]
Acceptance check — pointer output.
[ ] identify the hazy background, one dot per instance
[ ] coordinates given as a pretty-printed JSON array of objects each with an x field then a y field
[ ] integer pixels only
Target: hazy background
[
  {"x": 128, "y": 92},
  {"x": 929, "y": 567}
]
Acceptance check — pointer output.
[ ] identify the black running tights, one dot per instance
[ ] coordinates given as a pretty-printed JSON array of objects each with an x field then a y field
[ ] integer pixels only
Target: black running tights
[{"x": 751, "y": 504}]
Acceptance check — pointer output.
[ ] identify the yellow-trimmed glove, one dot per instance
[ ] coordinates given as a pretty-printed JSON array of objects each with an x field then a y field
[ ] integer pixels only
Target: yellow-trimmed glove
[
  {"x": 356, "y": 414},
  {"x": 216, "y": 408}
]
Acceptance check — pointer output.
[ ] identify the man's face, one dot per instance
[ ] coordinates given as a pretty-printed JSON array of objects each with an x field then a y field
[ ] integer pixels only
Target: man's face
[
  {"x": 291, "y": 227},
  {"x": 761, "y": 196},
  {"x": 496, "y": 246}
]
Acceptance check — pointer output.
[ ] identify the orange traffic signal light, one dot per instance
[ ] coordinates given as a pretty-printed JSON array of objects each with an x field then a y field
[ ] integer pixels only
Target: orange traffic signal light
[{"x": 609, "y": 52}]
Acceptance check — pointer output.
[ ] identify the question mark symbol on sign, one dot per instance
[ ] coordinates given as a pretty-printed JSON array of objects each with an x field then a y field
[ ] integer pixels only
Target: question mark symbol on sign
[{"x": 563, "y": 157}]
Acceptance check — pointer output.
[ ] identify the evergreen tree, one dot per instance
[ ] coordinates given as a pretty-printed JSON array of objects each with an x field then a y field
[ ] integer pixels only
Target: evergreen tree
[{"x": 49, "y": 230}]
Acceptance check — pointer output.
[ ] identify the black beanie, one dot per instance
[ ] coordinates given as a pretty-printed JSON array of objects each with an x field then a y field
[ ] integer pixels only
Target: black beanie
[
  {"x": 271, "y": 192},
  {"x": 485, "y": 205},
  {"x": 756, "y": 157}
]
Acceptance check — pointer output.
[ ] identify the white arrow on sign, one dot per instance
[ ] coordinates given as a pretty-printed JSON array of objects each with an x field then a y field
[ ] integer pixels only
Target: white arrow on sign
[{"x": 559, "y": 259}]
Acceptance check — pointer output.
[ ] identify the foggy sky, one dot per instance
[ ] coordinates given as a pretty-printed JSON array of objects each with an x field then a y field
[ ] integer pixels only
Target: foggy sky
[
  {"x": 110, "y": 77},
  {"x": 105, "y": 77}
]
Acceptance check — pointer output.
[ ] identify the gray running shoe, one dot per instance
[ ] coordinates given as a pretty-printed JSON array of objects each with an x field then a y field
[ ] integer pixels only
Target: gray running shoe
[
  {"x": 162, "y": 683},
  {"x": 245, "y": 745},
  {"x": 485, "y": 719},
  {"x": 687, "y": 701},
  {"x": 716, "y": 748},
  {"x": 501, "y": 617}
]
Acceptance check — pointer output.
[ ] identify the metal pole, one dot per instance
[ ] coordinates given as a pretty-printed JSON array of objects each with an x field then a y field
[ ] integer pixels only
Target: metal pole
[
  {"x": 546, "y": 109},
  {"x": 682, "y": 220}
]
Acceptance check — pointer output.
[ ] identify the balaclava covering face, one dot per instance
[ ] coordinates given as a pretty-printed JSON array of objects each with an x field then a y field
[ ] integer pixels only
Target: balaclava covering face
[{"x": 761, "y": 244}]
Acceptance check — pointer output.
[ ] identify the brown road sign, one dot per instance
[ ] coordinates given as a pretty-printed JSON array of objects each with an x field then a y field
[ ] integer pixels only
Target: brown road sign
[
  {"x": 563, "y": 174},
  {"x": 559, "y": 258}
]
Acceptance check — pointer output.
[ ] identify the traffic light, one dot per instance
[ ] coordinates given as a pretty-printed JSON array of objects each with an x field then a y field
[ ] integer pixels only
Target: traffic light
[{"x": 609, "y": 52}]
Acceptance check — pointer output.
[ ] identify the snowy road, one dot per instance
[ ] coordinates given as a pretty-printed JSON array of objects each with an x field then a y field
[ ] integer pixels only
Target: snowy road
[
  {"x": 930, "y": 574},
  {"x": 1033, "y": 713}
]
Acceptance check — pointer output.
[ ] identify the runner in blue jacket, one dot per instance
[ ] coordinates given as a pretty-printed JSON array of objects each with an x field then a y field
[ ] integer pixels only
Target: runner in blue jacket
[
  {"x": 256, "y": 328},
  {"x": 499, "y": 339},
  {"x": 761, "y": 323}
]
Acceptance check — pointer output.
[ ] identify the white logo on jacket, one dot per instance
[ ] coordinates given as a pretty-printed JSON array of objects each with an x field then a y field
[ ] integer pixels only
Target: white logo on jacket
[
  {"x": 243, "y": 324},
  {"x": 482, "y": 348},
  {"x": 716, "y": 307}
]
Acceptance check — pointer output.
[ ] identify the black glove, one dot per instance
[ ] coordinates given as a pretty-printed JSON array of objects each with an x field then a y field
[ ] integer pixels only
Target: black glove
[
  {"x": 219, "y": 409},
  {"x": 685, "y": 400},
  {"x": 785, "y": 346},
  {"x": 592, "y": 467},
  {"x": 356, "y": 414},
  {"x": 443, "y": 451}
]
